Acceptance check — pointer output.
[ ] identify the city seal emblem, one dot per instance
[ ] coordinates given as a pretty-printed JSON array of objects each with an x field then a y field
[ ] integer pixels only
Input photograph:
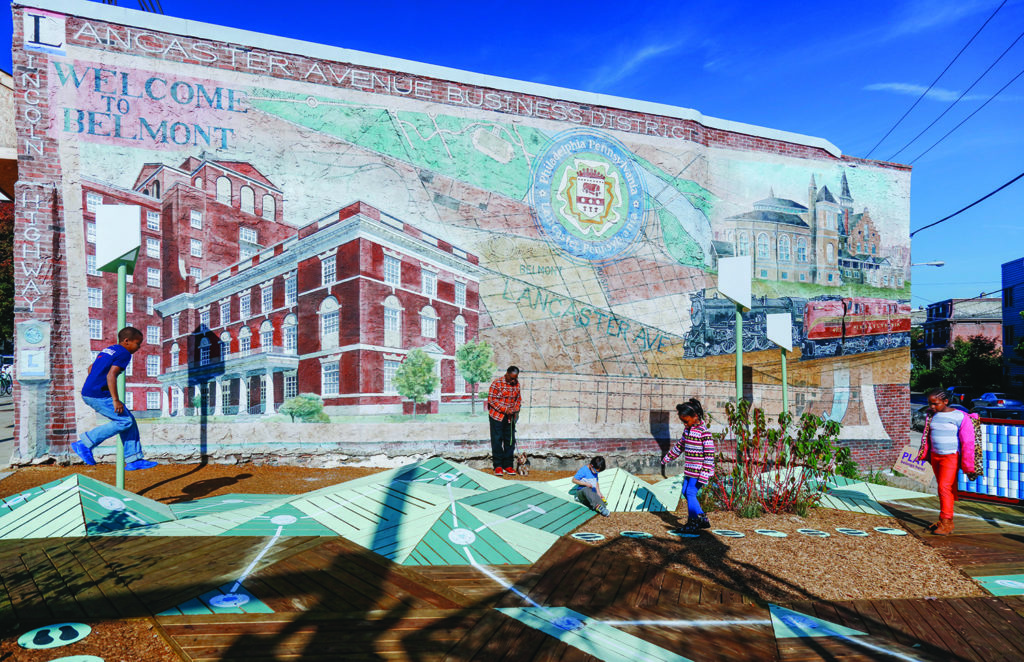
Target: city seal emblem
[{"x": 588, "y": 195}]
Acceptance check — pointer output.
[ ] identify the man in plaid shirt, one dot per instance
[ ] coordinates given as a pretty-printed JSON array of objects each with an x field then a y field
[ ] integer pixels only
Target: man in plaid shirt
[{"x": 504, "y": 400}]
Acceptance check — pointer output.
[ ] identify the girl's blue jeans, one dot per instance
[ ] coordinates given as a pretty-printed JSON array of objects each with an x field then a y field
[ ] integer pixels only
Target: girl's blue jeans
[{"x": 691, "y": 486}]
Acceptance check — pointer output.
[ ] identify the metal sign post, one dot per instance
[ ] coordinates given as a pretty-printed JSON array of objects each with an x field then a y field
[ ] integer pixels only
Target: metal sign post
[
  {"x": 780, "y": 331},
  {"x": 734, "y": 276},
  {"x": 118, "y": 240}
]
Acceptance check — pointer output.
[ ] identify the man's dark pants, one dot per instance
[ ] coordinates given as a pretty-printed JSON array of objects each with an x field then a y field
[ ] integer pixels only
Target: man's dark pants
[{"x": 503, "y": 445}]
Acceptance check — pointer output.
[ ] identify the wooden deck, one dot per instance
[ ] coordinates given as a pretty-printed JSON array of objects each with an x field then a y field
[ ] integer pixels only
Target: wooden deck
[{"x": 325, "y": 598}]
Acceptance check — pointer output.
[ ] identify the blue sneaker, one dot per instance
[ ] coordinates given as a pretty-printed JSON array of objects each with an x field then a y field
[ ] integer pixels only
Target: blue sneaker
[
  {"x": 84, "y": 452},
  {"x": 139, "y": 464}
]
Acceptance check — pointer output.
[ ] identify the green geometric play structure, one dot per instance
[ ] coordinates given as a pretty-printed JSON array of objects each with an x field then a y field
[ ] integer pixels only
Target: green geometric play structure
[{"x": 435, "y": 512}]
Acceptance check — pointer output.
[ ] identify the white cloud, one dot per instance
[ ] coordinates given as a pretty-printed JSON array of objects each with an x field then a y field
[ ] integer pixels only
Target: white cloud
[
  {"x": 624, "y": 65},
  {"x": 912, "y": 89}
]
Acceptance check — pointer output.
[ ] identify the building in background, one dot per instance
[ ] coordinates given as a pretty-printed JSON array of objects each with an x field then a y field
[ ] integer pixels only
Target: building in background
[
  {"x": 1013, "y": 325},
  {"x": 955, "y": 319}
]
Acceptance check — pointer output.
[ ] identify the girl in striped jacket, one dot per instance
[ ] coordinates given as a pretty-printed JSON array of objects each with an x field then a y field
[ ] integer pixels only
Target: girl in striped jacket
[{"x": 698, "y": 449}]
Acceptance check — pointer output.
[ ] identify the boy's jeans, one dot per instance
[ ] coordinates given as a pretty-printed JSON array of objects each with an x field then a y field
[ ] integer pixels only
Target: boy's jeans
[{"x": 123, "y": 424}]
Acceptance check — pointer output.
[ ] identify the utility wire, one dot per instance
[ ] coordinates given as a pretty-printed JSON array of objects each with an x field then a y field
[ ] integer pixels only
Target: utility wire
[
  {"x": 1019, "y": 74},
  {"x": 981, "y": 199},
  {"x": 923, "y": 94},
  {"x": 958, "y": 99}
]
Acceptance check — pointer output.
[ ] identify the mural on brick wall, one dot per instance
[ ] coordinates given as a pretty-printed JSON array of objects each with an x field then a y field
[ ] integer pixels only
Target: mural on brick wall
[{"x": 308, "y": 223}]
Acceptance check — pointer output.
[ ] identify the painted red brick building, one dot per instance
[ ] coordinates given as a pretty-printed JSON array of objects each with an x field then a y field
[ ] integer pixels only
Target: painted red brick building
[{"x": 332, "y": 310}]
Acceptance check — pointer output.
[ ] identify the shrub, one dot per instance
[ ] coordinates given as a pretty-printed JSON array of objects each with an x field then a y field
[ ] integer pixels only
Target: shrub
[
  {"x": 776, "y": 468},
  {"x": 307, "y": 407}
]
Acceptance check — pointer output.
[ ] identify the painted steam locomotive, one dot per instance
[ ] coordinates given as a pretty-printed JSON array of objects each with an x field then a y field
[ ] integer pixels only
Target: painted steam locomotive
[{"x": 827, "y": 325}]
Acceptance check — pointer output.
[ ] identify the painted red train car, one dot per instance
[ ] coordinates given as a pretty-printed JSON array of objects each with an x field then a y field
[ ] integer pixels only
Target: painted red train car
[{"x": 850, "y": 325}]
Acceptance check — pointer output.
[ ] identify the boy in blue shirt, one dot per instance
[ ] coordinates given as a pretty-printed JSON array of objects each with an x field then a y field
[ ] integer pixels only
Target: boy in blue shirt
[
  {"x": 588, "y": 490},
  {"x": 100, "y": 393}
]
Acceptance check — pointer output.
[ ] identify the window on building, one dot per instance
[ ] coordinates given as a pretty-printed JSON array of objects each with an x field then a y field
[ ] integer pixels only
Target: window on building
[
  {"x": 290, "y": 290},
  {"x": 429, "y": 283},
  {"x": 460, "y": 382},
  {"x": 830, "y": 253},
  {"x": 175, "y": 329},
  {"x": 149, "y": 306},
  {"x": 152, "y": 400},
  {"x": 269, "y": 207},
  {"x": 327, "y": 270},
  {"x": 95, "y": 329},
  {"x": 742, "y": 243},
  {"x": 266, "y": 336},
  {"x": 247, "y": 199},
  {"x": 329, "y": 378},
  {"x": 90, "y": 266},
  {"x": 153, "y": 277},
  {"x": 92, "y": 201},
  {"x": 784, "y": 275},
  {"x": 95, "y": 297},
  {"x": 90, "y": 233},
  {"x": 225, "y": 344},
  {"x": 204, "y": 352},
  {"x": 764, "y": 273},
  {"x": 129, "y": 400},
  {"x": 390, "y": 368},
  {"x": 392, "y": 322},
  {"x": 460, "y": 294},
  {"x": 244, "y": 308},
  {"x": 1008, "y": 297},
  {"x": 291, "y": 385},
  {"x": 195, "y": 219},
  {"x": 196, "y": 248},
  {"x": 392, "y": 270},
  {"x": 225, "y": 313},
  {"x": 153, "y": 247},
  {"x": 152, "y": 365},
  {"x": 127, "y": 369},
  {"x": 428, "y": 322},
  {"x": 245, "y": 341},
  {"x": 247, "y": 235},
  {"x": 153, "y": 221},
  {"x": 290, "y": 330},
  {"x": 129, "y": 302},
  {"x": 460, "y": 331},
  {"x": 224, "y": 190},
  {"x": 154, "y": 190},
  {"x": 196, "y": 273},
  {"x": 266, "y": 299},
  {"x": 763, "y": 249},
  {"x": 784, "y": 248},
  {"x": 801, "y": 250},
  {"x": 246, "y": 251},
  {"x": 330, "y": 313},
  {"x": 153, "y": 334},
  {"x": 198, "y": 182},
  {"x": 204, "y": 319}
]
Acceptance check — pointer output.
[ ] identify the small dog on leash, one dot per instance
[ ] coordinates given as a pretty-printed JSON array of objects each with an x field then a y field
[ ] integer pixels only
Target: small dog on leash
[{"x": 522, "y": 464}]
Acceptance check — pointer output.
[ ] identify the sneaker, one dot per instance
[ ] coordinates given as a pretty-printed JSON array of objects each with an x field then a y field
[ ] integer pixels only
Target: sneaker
[
  {"x": 604, "y": 511},
  {"x": 498, "y": 471},
  {"x": 84, "y": 452},
  {"x": 510, "y": 471},
  {"x": 702, "y": 522},
  {"x": 139, "y": 464}
]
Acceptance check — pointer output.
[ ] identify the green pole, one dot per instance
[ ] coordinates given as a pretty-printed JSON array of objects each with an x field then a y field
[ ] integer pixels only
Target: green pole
[
  {"x": 739, "y": 354},
  {"x": 122, "y": 321},
  {"x": 785, "y": 383}
]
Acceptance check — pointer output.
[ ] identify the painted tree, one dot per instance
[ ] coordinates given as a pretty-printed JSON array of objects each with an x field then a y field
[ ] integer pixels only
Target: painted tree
[
  {"x": 415, "y": 378},
  {"x": 307, "y": 407},
  {"x": 475, "y": 361}
]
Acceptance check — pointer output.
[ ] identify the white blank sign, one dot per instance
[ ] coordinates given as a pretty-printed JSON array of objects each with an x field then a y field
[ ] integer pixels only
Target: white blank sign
[
  {"x": 118, "y": 236},
  {"x": 780, "y": 330},
  {"x": 734, "y": 274}
]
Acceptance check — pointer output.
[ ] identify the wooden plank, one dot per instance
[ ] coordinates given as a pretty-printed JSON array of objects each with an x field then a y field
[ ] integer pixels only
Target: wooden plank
[
  {"x": 670, "y": 587},
  {"x": 604, "y": 591},
  {"x": 689, "y": 592},
  {"x": 477, "y": 637},
  {"x": 1004, "y": 620},
  {"x": 106, "y": 579},
  {"x": 85, "y": 591},
  {"x": 985, "y": 638},
  {"x": 890, "y": 628},
  {"x": 28, "y": 601},
  {"x": 60, "y": 601},
  {"x": 951, "y": 634},
  {"x": 564, "y": 586}
]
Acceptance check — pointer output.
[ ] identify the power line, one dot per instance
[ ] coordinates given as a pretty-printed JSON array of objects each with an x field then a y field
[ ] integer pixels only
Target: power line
[
  {"x": 959, "y": 98},
  {"x": 923, "y": 94},
  {"x": 964, "y": 120},
  {"x": 981, "y": 199}
]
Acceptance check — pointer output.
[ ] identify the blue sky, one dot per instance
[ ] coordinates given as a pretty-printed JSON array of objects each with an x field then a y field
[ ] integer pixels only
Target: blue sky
[{"x": 841, "y": 71}]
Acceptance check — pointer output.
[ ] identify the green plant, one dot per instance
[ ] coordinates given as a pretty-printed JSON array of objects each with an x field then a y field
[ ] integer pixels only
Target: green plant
[
  {"x": 874, "y": 477},
  {"x": 415, "y": 378},
  {"x": 777, "y": 468},
  {"x": 475, "y": 361},
  {"x": 307, "y": 407}
]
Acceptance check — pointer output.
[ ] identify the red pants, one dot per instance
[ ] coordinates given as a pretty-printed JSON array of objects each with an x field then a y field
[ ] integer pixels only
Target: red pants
[{"x": 945, "y": 467}]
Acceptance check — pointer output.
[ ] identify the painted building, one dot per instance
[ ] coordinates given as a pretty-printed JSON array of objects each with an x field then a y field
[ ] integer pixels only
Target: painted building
[
  {"x": 1013, "y": 323},
  {"x": 582, "y": 228}
]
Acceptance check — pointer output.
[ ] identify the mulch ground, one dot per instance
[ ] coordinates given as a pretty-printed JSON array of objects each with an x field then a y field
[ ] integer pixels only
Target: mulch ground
[{"x": 775, "y": 569}]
